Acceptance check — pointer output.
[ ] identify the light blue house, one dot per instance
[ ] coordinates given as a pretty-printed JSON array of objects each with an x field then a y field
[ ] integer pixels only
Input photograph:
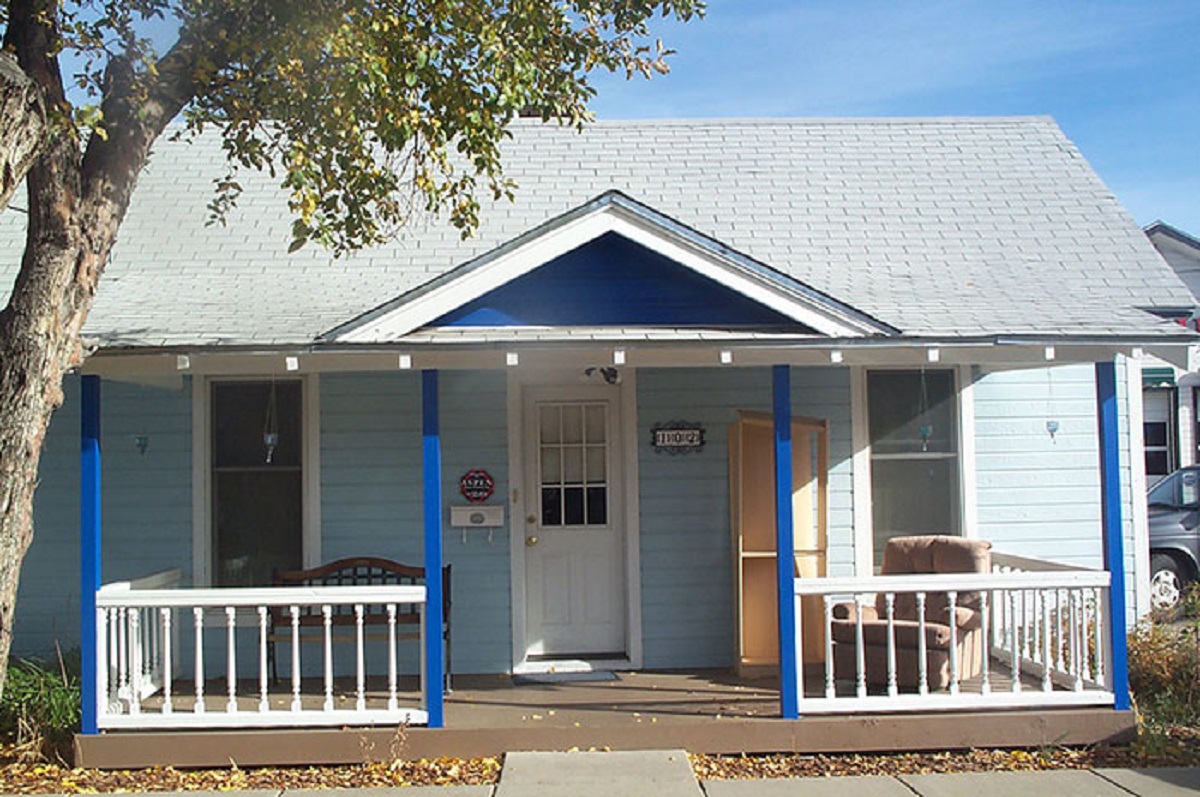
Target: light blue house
[{"x": 941, "y": 320}]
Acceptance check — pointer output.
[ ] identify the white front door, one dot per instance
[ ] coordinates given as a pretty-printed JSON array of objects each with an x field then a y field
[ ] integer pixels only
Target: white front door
[{"x": 574, "y": 538}]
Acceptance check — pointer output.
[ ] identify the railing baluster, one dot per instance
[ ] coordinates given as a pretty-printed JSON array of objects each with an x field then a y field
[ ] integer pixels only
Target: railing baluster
[
  {"x": 231, "y": 659},
  {"x": 361, "y": 700},
  {"x": 103, "y": 686},
  {"x": 114, "y": 659},
  {"x": 952, "y": 610},
  {"x": 198, "y": 626},
  {"x": 167, "y": 651},
  {"x": 123, "y": 653},
  {"x": 1076, "y": 640},
  {"x": 391, "y": 642},
  {"x": 892, "y": 688},
  {"x": 264, "y": 704},
  {"x": 294, "y": 612},
  {"x": 327, "y": 616},
  {"x": 1059, "y": 631},
  {"x": 152, "y": 663},
  {"x": 135, "y": 662},
  {"x": 922, "y": 657},
  {"x": 1014, "y": 664},
  {"x": 1047, "y": 659},
  {"x": 830, "y": 682},
  {"x": 985, "y": 682},
  {"x": 1100, "y": 631},
  {"x": 860, "y": 652}
]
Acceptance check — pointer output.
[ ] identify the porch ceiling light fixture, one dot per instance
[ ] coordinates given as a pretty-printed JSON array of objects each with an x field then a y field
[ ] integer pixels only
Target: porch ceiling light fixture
[
  {"x": 512, "y": 359},
  {"x": 292, "y": 363},
  {"x": 1049, "y": 353},
  {"x": 182, "y": 362},
  {"x": 618, "y": 356},
  {"x": 836, "y": 356},
  {"x": 726, "y": 357},
  {"x": 404, "y": 362},
  {"x": 933, "y": 354}
]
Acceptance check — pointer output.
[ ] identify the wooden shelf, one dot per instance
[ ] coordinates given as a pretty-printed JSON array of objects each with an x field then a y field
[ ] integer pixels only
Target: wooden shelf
[{"x": 752, "y": 505}]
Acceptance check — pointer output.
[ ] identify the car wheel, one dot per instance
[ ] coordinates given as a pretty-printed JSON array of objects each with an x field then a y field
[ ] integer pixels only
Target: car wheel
[{"x": 1166, "y": 582}]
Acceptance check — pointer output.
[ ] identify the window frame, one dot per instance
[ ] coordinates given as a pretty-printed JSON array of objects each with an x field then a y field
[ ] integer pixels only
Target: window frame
[
  {"x": 863, "y": 509},
  {"x": 203, "y": 531}
]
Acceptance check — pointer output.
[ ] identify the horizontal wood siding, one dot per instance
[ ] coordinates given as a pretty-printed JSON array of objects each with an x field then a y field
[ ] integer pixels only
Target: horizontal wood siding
[
  {"x": 687, "y": 592},
  {"x": 147, "y": 504},
  {"x": 1040, "y": 496},
  {"x": 371, "y": 492}
]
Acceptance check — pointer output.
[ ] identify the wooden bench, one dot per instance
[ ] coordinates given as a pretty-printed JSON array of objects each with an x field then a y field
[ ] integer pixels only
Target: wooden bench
[{"x": 358, "y": 571}]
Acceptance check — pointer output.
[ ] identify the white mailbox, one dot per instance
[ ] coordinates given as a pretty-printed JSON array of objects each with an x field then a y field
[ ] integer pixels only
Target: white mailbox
[{"x": 477, "y": 517}]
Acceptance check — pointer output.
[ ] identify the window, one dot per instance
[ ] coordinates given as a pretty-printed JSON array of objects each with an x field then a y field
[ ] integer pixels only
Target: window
[
  {"x": 1178, "y": 491},
  {"x": 573, "y": 464},
  {"x": 257, "y": 480},
  {"x": 1157, "y": 431},
  {"x": 913, "y": 422}
]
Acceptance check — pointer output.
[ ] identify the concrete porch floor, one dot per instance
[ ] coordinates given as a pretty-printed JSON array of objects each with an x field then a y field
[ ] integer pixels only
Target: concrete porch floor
[{"x": 708, "y": 711}]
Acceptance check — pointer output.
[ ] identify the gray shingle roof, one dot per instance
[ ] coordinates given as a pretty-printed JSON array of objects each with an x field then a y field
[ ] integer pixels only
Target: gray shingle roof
[{"x": 938, "y": 227}]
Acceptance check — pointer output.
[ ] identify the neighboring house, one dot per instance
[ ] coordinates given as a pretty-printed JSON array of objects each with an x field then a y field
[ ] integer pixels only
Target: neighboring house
[
  {"x": 616, "y": 368},
  {"x": 1170, "y": 394}
]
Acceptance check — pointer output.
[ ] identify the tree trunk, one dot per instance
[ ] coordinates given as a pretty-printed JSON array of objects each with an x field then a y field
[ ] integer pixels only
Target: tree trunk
[
  {"x": 22, "y": 125},
  {"x": 77, "y": 200}
]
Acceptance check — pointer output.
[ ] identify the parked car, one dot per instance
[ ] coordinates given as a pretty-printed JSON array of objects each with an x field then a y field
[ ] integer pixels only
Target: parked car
[{"x": 1174, "y": 504}]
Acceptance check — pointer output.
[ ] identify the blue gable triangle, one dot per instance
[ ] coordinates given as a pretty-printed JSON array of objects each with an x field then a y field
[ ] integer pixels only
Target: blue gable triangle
[{"x": 613, "y": 281}]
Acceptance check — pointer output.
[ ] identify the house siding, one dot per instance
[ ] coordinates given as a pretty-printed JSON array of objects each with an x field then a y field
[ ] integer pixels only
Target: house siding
[
  {"x": 371, "y": 492},
  {"x": 1040, "y": 495},
  {"x": 687, "y": 569},
  {"x": 146, "y": 509}
]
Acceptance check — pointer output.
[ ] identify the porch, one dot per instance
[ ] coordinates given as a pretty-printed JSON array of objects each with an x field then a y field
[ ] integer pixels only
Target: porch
[
  {"x": 702, "y": 711},
  {"x": 1045, "y": 679}
]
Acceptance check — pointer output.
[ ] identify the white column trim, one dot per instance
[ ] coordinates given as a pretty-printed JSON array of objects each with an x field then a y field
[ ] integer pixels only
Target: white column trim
[
  {"x": 861, "y": 467},
  {"x": 633, "y": 545},
  {"x": 310, "y": 458},
  {"x": 516, "y": 519},
  {"x": 1137, "y": 485},
  {"x": 201, "y": 484},
  {"x": 968, "y": 475}
]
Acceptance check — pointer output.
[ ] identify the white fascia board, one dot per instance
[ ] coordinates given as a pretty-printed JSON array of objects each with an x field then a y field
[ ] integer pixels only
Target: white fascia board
[{"x": 570, "y": 235}]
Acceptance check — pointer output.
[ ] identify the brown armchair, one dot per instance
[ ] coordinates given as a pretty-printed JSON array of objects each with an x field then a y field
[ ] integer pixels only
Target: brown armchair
[{"x": 913, "y": 555}]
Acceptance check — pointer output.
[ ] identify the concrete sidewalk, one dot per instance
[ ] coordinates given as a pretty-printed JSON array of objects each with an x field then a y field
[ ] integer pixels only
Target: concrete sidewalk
[{"x": 666, "y": 773}]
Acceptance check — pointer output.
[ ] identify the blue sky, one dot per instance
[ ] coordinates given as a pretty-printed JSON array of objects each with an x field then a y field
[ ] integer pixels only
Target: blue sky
[{"x": 1121, "y": 78}]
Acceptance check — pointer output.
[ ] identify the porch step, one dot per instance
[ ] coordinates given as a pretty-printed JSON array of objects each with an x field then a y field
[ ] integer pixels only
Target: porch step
[{"x": 663, "y": 773}]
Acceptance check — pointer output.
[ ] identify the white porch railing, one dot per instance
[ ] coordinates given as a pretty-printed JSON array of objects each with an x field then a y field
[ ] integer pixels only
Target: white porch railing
[
  {"x": 138, "y": 631},
  {"x": 1031, "y": 633}
]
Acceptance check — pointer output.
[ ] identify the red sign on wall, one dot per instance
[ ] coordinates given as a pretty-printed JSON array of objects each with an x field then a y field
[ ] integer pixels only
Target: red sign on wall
[{"x": 476, "y": 486}]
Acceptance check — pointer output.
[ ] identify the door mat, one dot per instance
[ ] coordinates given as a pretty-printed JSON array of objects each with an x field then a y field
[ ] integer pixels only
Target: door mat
[{"x": 563, "y": 677}]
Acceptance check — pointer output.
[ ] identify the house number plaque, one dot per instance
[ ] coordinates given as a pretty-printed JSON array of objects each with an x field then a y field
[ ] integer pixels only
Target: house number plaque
[{"x": 677, "y": 437}]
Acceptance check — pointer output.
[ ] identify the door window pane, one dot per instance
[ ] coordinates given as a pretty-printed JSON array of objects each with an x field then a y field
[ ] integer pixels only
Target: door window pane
[{"x": 573, "y": 459}]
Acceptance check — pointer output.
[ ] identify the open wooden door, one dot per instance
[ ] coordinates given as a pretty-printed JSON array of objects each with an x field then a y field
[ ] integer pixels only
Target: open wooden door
[{"x": 752, "y": 502}]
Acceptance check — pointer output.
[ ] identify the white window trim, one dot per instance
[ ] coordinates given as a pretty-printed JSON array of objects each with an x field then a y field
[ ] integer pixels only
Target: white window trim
[
  {"x": 310, "y": 454},
  {"x": 968, "y": 521}
]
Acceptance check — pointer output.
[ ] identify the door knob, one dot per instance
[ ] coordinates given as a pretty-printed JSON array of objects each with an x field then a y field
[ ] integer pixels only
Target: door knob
[{"x": 531, "y": 541}]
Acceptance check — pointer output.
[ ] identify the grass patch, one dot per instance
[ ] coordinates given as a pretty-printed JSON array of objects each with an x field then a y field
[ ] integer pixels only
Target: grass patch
[{"x": 41, "y": 706}]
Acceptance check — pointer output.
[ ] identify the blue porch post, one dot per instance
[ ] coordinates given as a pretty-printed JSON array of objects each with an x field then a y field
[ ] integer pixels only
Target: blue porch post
[
  {"x": 431, "y": 462},
  {"x": 1114, "y": 544},
  {"x": 89, "y": 544},
  {"x": 789, "y": 698}
]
